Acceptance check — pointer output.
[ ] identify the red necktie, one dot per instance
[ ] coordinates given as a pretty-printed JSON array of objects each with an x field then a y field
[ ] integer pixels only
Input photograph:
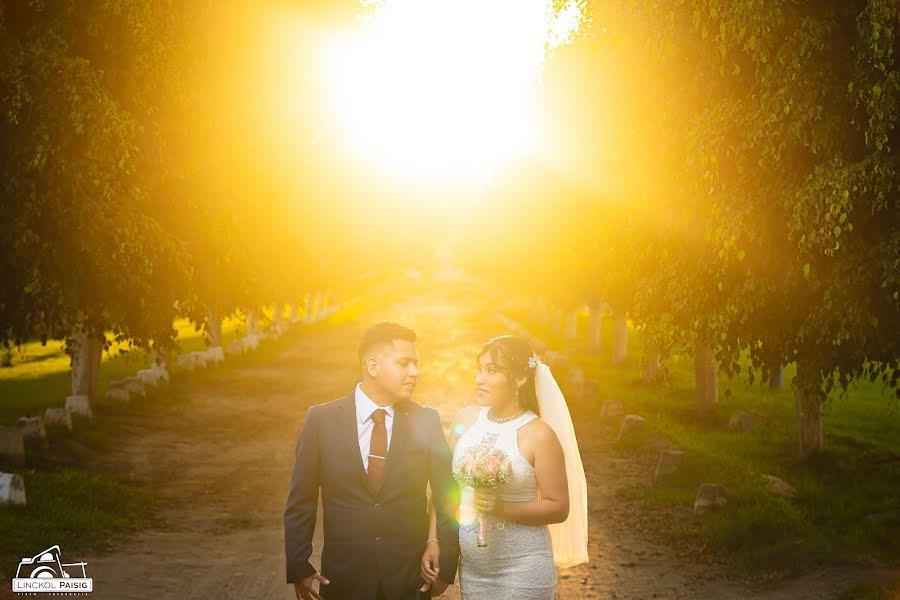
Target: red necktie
[{"x": 377, "y": 449}]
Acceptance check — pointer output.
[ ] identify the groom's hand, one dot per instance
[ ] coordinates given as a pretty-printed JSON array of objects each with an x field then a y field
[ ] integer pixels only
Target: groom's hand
[
  {"x": 304, "y": 588},
  {"x": 431, "y": 560}
]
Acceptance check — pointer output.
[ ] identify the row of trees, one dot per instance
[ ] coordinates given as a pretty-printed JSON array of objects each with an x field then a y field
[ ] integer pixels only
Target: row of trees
[
  {"x": 140, "y": 179},
  {"x": 725, "y": 175},
  {"x": 751, "y": 197}
]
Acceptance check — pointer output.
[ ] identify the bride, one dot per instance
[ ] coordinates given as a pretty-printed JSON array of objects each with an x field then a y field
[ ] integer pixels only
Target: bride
[{"x": 536, "y": 521}]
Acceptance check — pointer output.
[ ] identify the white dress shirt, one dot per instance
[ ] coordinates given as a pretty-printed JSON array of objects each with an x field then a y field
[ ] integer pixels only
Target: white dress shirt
[{"x": 365, "y": 406}]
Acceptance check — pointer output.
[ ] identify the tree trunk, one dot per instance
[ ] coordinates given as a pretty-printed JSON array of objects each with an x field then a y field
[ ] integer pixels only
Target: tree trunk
[
  {"x": 252, "y": 322},
  {"x": 705, "y": 376},
  {"x": 652, "y": 360},
  {"x": 572, "y": 325},
  {"x": 307, "y": 306},
  {"x": 776, "y": 378},
  {"x": 162, "y": 357},
  {"x": 556, "y": 321},
  {"x": 87, "y": 351},
  {"x": 293, "y": 314},
  {"x": 594, "y": 334},
  {"x": 213, "y": 329},
  {"x": 277, "y": 313},
  {"x": 536, "y": 310},
  {"x": 78, "y": 362},
  {"x": 545, "y": 313},
  {"x": 620, "y": 338},
  {"x": 808, "y": 399}
]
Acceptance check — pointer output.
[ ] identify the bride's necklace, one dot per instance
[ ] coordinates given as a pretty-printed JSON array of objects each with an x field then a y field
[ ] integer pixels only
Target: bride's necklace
[{"x": 505, "y": 419}]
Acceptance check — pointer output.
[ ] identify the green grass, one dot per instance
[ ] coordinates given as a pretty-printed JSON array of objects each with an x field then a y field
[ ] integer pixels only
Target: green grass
[
  {"x": 848, "y": 506},
  {"x": 74, "y": 508},
  {"x": 40, "y": 377}
]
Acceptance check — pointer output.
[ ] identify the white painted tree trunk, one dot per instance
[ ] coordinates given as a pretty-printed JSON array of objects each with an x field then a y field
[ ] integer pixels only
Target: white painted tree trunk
[
  {"x": 277, "y": 314},
  {"x": 595, "y": 329},
  {"x": 706, "y": 378},
  {"x": 556, "y": 324},
  {"x": 652, "y": 361},
  {"x": 87, "y": 351},
  {"x": 161, "y": 358},
  {"x": 293, "y": 313},
  {"x": 252, "y": 322},
  {"x": 213, "y": 329},
  {"x": 620, "y": 337},
  {"x": 776, "y": 378},
  {"x": 308, "y": 306},
  {"x": 808, "y": 399},
  {"x": 572, "y": 325},
  {"x": 546, "y": 314},
  {"x": 320, "y": 302}
]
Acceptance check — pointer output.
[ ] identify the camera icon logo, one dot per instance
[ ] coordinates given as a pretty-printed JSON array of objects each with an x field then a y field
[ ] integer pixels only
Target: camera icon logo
[{"x": 45, "y": 572}]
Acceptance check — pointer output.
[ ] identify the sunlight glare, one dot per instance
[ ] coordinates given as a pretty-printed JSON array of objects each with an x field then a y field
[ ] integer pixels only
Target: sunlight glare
[{"x": 443, "y": 90}]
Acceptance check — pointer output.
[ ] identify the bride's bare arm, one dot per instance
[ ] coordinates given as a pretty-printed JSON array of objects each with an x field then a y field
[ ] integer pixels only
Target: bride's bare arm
[{"x": 550, "y": 472}]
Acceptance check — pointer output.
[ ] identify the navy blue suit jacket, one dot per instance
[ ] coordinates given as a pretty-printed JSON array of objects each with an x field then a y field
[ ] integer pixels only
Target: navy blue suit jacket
[{"x": 371, "y": 537}]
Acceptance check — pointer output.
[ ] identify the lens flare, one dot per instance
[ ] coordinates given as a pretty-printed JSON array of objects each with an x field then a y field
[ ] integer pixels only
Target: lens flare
[{"x": 467, "y": 513}]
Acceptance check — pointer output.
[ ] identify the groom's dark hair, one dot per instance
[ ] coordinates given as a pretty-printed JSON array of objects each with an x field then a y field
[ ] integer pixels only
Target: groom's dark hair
[{"x": 383, "y": 334}]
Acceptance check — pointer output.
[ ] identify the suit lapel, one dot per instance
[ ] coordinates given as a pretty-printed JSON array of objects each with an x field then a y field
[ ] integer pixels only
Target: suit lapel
[
  {"x": 350, "y": 437},
  {"x": 398, "y": 440}
]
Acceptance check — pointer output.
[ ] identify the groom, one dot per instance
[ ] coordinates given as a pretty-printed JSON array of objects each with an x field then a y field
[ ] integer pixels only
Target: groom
[{"x": 372, "y": 454}]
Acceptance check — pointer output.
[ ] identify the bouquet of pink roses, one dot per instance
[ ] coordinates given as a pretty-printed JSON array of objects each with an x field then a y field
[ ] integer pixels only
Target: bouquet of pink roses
[{"x": 481, "y": 467}]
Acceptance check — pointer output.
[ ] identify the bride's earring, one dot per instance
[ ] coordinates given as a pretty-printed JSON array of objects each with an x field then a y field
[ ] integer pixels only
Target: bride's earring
[{"x": 516, "y": 401}]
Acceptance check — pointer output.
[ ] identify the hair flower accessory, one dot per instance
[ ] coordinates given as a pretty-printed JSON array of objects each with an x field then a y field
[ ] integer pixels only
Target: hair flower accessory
[{"x": 533, "y": 361}]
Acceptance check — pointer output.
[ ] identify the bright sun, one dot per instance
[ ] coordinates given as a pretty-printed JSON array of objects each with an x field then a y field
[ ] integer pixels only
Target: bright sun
[{"x": 444, "y": 89}]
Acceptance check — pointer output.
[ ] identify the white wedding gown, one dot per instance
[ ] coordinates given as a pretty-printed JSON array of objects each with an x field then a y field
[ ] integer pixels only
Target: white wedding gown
[{"x": 518, "y": 560}]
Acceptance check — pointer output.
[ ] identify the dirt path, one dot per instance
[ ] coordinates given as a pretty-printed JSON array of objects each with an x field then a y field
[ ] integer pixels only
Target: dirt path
[{"x": 222, "y": 466}]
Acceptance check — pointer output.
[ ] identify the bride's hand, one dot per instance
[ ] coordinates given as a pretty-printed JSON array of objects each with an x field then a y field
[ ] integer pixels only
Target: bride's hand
[{"x": 486, "y": 500}]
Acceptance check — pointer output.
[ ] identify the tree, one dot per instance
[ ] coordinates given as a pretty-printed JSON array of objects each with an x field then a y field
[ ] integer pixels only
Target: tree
[{"x": 801, "y": 201}]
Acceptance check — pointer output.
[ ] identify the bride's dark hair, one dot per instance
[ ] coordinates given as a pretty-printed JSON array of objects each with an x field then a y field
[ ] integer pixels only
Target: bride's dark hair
[{"x": 510, "y": 354}]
